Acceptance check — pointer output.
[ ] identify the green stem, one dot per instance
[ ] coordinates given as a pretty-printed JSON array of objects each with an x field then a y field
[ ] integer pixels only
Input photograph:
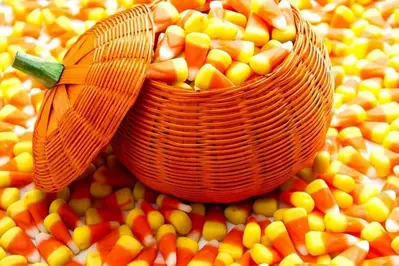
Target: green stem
[{"x": 47, "y": 73}]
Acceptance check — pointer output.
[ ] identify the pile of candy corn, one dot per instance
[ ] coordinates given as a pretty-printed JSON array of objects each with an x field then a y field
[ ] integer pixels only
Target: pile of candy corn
[
  {"x": 230, "y": 44},
  {"x": 341, "y": 210}
]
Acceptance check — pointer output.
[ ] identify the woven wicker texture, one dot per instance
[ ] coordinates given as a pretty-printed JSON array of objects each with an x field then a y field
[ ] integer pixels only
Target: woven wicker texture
[
  {"x": 102, "y": 78},
  {"x": 230, "y": 144}
]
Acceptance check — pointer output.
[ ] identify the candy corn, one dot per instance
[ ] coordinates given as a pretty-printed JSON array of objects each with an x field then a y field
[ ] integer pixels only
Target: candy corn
[
  {"x": 138, "y": 223},
  {"x": 36, "y": 202},
  {"x": 166, "y": 239},
  {"x": 124, "y": 251},
  {"x": 206, "y": 255},
  {"x": 59, "y": 231},
  {"x": 22, "y": 217},
  {"x": 16, "y": 242},
  {"x": 53, "y": 251},
  {"x": 86, "y": 235},
  {"x": 66, "y": 213}
]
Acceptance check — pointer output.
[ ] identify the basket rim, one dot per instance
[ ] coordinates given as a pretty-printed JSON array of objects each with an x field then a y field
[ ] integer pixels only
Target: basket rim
[{"x": 232, "y": 89}]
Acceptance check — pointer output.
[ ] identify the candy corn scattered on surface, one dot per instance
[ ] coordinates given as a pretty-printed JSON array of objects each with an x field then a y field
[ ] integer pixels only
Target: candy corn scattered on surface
[{"x": 340, "y": 210}]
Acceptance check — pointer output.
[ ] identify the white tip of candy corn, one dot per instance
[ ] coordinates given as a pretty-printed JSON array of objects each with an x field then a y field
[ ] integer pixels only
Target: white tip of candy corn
[
  {"x": 289, "y": 46},
  {"x": 280, "y": 23}
]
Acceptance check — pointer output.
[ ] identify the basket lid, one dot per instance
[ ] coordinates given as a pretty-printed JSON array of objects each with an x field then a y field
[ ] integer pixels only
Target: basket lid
[{"x": 88, "y": 95}]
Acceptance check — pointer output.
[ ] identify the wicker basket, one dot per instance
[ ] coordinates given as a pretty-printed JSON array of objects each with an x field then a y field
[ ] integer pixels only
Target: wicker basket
[
  {"x": 231, "y": 144},
  {"x": 211, "y": 146}
]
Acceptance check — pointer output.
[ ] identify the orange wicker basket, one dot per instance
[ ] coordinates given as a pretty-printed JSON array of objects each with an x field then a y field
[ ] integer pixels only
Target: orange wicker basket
[
  {"x": 211, "y": 146},
  {"x": 231, "y": 144}
]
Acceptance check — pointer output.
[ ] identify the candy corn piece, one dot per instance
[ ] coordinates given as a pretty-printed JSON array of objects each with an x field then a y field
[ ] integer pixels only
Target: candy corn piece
[
  {"x": 365, "y": 99},
  {"x": 353, "y": 158},
  {"x": 215, "y": 225},
  {"x": 121, "y": 199},
  {"x": 11, "y": 114},
  {"x": 352, "y": 136},
  {"x": 7, "y": 142},
  {"x": 337, "y": 167},
  {"x": 392, "y": 223},
  {"x": 14, "y": 260},
  {"x": 15, "y": 179},
  {"x": 99, "y": 190},
  {"x": 36, "y": 202},
  {"x": 106, "y": 243},
  {"x": 340, "y": 223},
  {"x": 197, "y": 216},
  {"x": 206, "y": 255},
  {"x": 145, "y": 258},
  {"x": 154, "y": 218},
  {"x": 238, "y": 73},
  {"x": 277, "y": 233},
  {"x": 95, "y": 216},
  {"x": 66, "y": 213},
  {"x": 216, "y": 10},
  {"x": 235, "y": 18},
  {"x": 94, "y": 258},
  {"x": 380, "y": 207},
  {"x": 322, "y": 196},
  {"x": 142, "y": 192},
  {"x": 21, "y": 163},
  {"x": 59, "y": 231},
  {"x": 16, "y": 242},
  {"x": 223, "y": 259},
  {"x": 24, "y": 144},
  {"x": 196, "y": 50},
  {"x": 22, "y": 217},
  {"x": 166, "y": 239},
  {"x": 342, "y": 182},
  {"x": 8, "y": 196},
  {"x": 298, "y": 199},
  {"x": 269, "y": 11},
  {"x": 349, "y": 116},
  {"x": 86, "y": 235},
  {"x": 378, "y": 238},
  {"x": 138, "y": 223},
  {"x": 6, "y": 223},
  {"x": 193, "y": 21},
  {"x": 232, "y": 243},
  {"x": 173, "y": 70},
  {"x": 264, "y": 62},
  {"x": 179, "y": 219},
  {"x": 353, "y": 255},
  {"x": 209, "y": 77},
  {"x": 80, "y": 197},
  {"x": 164, "y": 15},
  {"x": 375, "y": 131},
  {"x": 392, "y": 183},
  {"x": 289, "y": 33},
  {"x": 391, "y": 141},
  {"x": 261, "y": 255},
  {"x": 171, "y": 44},
  {"x": 320, "y": 243},
  {"x": 296, "y": 222},
  {"x": 219, "y": 59},
  {"x": 124, "y": 251},
  {"x": 115, "y": 176},
  {"x": 164, "y": 201},
  {"x": 186, "y": 249},
  {"x": 238, "y": 213},
  {"x": 384, "y": 113},
  {"x": 256, "y": 30},
  {"x": 252, "y": 233},
  {"x": 239, "y": 50},
  {"x": 52, "y": 250}
]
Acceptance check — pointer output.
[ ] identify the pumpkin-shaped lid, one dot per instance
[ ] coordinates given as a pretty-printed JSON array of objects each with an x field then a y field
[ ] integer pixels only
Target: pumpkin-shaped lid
[{"x": 88, "y": 95}]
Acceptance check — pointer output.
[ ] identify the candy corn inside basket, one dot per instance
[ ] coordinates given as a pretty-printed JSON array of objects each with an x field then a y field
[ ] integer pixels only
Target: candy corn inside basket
[{"x": 208, "y": 101}]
